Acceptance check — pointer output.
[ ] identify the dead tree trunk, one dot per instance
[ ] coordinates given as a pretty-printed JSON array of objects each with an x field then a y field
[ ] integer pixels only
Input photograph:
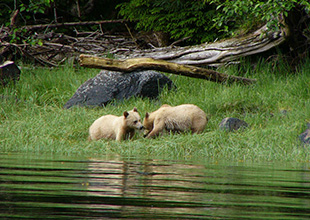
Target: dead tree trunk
[
  {"x": 133, "y": 64},
  {"x": 214, "y": 54}
]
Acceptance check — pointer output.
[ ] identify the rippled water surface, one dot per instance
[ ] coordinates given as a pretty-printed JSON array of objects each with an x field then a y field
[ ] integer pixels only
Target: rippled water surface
[{"x": 109, "y": 187}]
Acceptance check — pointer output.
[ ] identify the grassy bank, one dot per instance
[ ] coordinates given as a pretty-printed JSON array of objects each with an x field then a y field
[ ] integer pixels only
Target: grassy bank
[{"x": 32, "y": 118}]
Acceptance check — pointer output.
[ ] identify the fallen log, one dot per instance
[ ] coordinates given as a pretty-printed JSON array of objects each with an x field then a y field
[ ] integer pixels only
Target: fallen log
[
  {"x": 134, "y": 64},
  {"x": 216, "y": 53}
]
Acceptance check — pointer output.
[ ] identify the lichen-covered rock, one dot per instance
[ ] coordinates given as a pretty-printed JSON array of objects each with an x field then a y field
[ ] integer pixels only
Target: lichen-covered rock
[
  {"x": 305, "y": 136},
  {"x": 232, "y": 124},
  {"x": 9, "y": 72},
  {"x": 111, "y": 85}
]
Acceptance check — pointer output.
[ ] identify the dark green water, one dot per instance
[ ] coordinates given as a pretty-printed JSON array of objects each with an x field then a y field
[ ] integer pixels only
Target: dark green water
[{"x": 112, "y": 188}]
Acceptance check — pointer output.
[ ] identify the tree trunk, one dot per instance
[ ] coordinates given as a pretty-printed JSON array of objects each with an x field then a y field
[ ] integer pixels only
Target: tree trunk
[
  {"x": 133, "y": 64},
  {"x": 217, "y": 53}
]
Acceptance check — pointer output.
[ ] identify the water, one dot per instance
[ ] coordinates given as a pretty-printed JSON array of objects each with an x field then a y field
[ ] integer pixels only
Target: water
[{"x": 112, "y": 188}]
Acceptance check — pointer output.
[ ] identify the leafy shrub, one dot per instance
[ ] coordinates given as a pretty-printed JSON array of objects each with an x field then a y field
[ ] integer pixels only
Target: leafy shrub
[
  {"x": 248, "y": 13},
  {"x": 206, "y": 20},
  {"x": 179, "y": 18}
]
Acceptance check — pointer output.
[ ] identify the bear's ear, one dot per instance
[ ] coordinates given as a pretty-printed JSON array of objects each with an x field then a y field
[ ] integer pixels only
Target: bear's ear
[
  {"x": 125, "y": 114},
  {"x": 147, "y": 115},
  {"x": 135, "y": 109}
]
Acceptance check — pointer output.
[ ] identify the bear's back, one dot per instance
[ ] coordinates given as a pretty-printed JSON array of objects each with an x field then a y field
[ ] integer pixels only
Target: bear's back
[
  {"x": 183, "y": 111},
  {"x": 181, "y": 117},
  {"x": 105, "y": 127}
]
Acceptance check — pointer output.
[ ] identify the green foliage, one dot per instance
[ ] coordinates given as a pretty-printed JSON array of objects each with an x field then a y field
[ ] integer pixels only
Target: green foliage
[
  {"x": 36, "y": 6},
  {"x": 30, "y": 12},
  {"x": 206, "y": 20},
  {"x": 179, "y": 18},
  {"x": 47, "y": 11},
  {"x": 200, "y": 20},
  {"x": 27, "y": 9},
  {"x": 25, "y": 12},
  {"x": 250, "y": 13}
]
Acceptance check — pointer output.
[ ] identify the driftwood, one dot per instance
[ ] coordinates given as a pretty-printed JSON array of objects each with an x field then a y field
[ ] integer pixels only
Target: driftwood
[
  {"x": 57, "y": 48},
  {"x": 217, "y": 53},
  {"x": 70, "y": 24},
  {"x": 134, "y": 64},
  {"x": 53, "y": 48}
]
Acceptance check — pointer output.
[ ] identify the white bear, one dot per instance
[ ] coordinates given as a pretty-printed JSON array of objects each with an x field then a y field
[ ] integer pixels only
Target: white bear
[
  {"x": 186, "y": 117},
  {"x": 116, "y": 128}
]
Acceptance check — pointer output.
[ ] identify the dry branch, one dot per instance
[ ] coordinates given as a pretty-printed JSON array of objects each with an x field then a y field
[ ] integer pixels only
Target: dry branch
[
  {"x": 134, "y": 64},
  {"x": 69, "y": 24},
  {"x": 55, "y": 48}
]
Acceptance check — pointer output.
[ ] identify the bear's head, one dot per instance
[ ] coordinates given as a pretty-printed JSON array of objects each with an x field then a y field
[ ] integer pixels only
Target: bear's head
[{"x": 133, "y": 119}]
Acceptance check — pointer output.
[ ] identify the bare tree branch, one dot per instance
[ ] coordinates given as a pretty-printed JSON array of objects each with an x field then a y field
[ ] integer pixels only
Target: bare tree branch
[{"x": 68, "y": 24}]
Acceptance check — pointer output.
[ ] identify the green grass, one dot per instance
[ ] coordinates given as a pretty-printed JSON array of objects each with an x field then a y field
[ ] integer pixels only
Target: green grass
[{"x": 36, "y": 122}]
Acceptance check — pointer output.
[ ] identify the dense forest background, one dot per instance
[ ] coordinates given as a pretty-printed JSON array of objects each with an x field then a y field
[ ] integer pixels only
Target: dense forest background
[{"x": 151, "y": 23}]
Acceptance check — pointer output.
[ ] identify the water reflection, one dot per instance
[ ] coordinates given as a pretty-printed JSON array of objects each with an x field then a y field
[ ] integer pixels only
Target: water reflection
[{"x": 80, "y": 188}]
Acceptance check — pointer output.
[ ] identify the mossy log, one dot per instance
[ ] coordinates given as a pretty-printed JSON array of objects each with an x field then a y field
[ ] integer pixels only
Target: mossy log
[{"x": 134, "y": 64}]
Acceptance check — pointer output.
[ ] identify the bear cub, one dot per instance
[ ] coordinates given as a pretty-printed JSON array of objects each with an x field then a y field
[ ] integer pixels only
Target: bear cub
[
  {"x": 186, "y": 117},
  {"x": 116, "y": 128}
]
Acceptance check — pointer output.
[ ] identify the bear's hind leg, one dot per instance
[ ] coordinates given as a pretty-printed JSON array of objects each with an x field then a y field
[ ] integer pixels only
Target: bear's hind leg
[{"x": 199, "y": 125}]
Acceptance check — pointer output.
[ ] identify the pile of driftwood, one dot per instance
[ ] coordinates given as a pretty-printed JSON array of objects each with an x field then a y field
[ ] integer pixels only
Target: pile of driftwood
[
  {"x": 47, "y": 47},
  {"x": 43, "y": 45}
]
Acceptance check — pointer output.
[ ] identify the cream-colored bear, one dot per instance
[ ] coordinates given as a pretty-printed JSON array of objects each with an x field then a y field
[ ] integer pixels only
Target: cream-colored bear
[
  {"x": 180, "y": 118},
  {"x": 116, "y": 128}
]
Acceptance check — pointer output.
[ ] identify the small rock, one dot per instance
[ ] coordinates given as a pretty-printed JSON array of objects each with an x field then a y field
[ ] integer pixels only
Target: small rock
[
  {"x": 305, "y": 136},
  {"x": 9, "y": 72},
  {"x": 232, "y": 124},
  {"x": 283, "y": 112},
  {"x": 110, "y": 85}
]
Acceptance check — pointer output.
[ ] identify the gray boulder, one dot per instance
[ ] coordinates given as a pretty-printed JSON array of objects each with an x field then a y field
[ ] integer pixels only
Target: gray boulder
[
  {"x": 305, "y": 136},
  {"x": 232, "y": 124},
  {"x": 111, "y": 85}
]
